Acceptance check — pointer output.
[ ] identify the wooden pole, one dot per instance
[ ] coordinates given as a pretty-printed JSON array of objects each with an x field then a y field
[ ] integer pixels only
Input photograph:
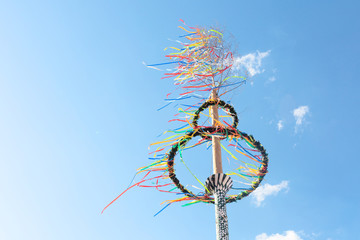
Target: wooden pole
[{"x": 216, "y": 147}]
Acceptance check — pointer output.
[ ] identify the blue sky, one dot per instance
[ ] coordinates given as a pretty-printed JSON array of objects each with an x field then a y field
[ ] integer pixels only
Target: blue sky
[{"x": 78, "y": 112}]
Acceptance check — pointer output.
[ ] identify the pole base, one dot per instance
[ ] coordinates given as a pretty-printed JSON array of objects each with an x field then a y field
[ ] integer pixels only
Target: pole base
[{"x": 218, "y": 185}]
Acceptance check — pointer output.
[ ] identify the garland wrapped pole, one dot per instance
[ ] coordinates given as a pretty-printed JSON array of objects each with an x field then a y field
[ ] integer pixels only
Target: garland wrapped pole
[{"x": 202, "y": 70}]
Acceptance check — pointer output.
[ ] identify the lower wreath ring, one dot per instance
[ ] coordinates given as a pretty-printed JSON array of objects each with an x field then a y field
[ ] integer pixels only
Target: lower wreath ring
[{"x": 224, "y": 132}]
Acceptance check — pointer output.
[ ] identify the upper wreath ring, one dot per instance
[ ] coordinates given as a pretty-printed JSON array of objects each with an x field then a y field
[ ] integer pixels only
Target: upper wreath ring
[{"x": 222, "y": 104}]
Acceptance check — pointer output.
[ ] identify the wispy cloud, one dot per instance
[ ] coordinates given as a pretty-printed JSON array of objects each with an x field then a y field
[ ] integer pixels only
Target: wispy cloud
[
  {"x": 272, "y": 79},
  {"x": 266, "y": 190},
  {"x": 280, "y": 125},
  {"x": 299, "y": 115},
  {"x": 288, "y": 235},
  {"x": 251, "y": 62}
]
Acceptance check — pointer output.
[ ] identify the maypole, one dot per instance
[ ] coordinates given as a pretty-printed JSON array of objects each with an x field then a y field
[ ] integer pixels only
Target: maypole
[{"x": 202, "y": 70}]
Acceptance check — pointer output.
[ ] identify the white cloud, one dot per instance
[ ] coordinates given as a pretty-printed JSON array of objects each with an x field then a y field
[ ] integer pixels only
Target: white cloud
[
  {"x": 280, "y": 125},
  {"x": 265, "y": 190},
  {"x": 288, "y": 235},
  {"x": 299, "y": 114},
  {"x": 250, "y": 62}
]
